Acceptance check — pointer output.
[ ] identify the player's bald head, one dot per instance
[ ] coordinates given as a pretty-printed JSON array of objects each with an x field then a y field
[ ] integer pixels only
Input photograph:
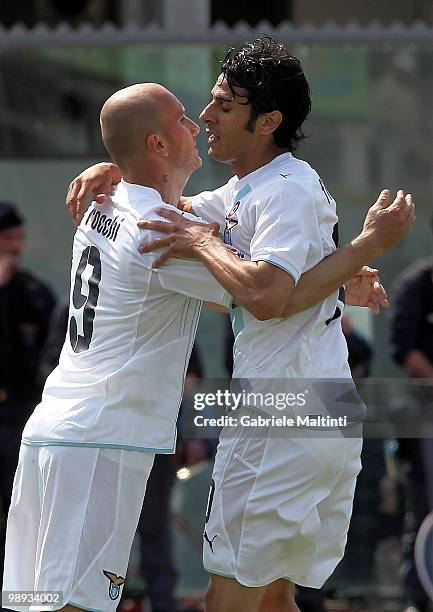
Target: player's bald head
[{"x": 130, "y": 115}]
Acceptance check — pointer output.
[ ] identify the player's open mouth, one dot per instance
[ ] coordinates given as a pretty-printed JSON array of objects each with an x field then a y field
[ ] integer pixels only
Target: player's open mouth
[{"x": 212, "y": 139}]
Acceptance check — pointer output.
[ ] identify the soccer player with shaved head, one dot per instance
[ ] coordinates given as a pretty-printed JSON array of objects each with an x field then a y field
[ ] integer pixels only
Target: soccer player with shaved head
[{"x": 112, "y": 402}]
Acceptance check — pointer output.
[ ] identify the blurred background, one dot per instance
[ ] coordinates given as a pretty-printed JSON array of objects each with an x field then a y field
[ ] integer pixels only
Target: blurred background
[{"x": 369, "y": 64}]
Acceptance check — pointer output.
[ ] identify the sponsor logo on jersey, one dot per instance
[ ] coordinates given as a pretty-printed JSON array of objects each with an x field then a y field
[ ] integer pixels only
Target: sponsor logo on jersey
[{"x": 115, "y": 584}]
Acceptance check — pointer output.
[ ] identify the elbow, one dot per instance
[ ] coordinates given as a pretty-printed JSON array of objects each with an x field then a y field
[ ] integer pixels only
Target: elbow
[
  {"x": 263, "y": 308},
  {"x": 265, "y": 313}
]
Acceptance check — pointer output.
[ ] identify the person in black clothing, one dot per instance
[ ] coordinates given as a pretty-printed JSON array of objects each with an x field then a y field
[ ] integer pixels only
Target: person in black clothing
[
  {"x": 412, "y": 347},
  {"x": 26, "y": 305}
]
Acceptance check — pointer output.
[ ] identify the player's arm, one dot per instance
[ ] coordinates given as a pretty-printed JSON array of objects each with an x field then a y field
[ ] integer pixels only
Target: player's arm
[
  {"x": 279, "y": 248},
  {"x": 260, "y": 287},
  {"x": 181, "y": 275},
  {"x": 190, "y": 277},
  {"x": 97, "y": 182},
  {"x": 384, "y": 226},
  {"x": 362, "y": 284},
  {"x": 94, "y": 183},
  {"x": 264, "y": 288}
]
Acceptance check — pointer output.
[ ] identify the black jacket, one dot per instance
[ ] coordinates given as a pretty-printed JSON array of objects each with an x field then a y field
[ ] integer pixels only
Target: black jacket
[
  {"x": 26, "y": 306},
  {"x": 412, "y": 311}
]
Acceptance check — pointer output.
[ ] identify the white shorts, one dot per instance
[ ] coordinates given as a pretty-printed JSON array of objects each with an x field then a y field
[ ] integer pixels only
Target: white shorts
[
  {"x": 279, "y": 507},
  {"x": 71, "y": 523}
]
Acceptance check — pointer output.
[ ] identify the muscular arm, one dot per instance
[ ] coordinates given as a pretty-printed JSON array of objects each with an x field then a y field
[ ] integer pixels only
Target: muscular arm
[
  {"x": 384, "y": 225},
  {"x": 264, "y": 289},
  {"x": 260, "y": 287},
  {"x": 268, "y": 291},
  {"x": 314, "y": 285},
  {"x": 333, "y": 272},
  {"x": 346, "y": 267}
]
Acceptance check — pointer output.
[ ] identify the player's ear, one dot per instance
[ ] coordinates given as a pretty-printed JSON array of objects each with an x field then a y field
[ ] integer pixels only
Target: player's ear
[
  {"x": 157, "y": 145},
  {"x": 270, "y": 122}
]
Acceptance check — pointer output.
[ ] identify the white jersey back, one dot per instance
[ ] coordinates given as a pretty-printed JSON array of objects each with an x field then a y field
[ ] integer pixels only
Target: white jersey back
[
  {"x": 282, "y": 214},
  {"x": 131, "y": 328}
]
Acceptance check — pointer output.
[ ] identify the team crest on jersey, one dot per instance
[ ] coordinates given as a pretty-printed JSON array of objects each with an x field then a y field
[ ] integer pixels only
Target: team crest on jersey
[
  {"x": 115, "y": 584},
  {"x": 231, "y": 222},
  {"x": 237, "y": 252}
]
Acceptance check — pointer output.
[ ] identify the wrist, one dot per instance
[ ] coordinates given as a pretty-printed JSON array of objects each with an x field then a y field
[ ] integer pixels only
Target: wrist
[
  {"x": 114, "y": 171},
  {"x": 366, "y": 246},
  {"x": 204, "y": 243}
]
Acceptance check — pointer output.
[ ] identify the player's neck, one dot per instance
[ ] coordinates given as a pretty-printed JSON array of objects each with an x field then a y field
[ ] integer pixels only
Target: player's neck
[
  {"x": 164, "y": 181},
  {"x": 251, "y": 162},
  {"x": 171, "y": 187}
]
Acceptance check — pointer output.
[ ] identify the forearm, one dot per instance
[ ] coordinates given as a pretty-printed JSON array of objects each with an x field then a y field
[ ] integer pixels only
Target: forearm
[
  {"x": 417, "y": 365},
  {"x": 237, "y": 279},
  {"x": 244, "y": 280},
  {"x": 329, "y": 275}
]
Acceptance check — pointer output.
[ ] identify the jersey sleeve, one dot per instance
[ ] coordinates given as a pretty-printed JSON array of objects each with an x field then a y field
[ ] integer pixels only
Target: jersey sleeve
[
  {"x": 192, "y": 278},
  {"x": 210, "y": 205},
  {"x": 186, "y": 276},
  {"x": 286, "y": 227}
]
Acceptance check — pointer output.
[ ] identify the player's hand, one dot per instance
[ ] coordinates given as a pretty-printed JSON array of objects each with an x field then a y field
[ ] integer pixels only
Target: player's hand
[
  {"x": 386, "y": 223},
  {"x": 94, "y": 183},
  {"x": 185, "y": 204},
  {"x": 182, "y": 237},
  {"x": 364, "y": 289}
]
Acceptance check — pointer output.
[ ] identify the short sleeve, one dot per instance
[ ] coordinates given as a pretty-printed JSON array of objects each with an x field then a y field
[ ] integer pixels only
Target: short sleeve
[
  {"x": 286, "y": 227},
  {"x": 211, "y": 205},
  {"x": 186, "y": 276},
  {"x": 193, "y": 279}
]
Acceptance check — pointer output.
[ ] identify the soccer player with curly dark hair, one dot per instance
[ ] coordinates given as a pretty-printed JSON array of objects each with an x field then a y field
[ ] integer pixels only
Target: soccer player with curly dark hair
[
  {"x": 280, "y": 503},
  {"x": 273, "y": 80}
]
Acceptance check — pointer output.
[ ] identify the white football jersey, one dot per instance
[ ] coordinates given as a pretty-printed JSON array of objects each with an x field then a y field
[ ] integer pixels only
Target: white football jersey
[
  {"x": 119, "y": 381},
  {"x": 282, "y": 214}
]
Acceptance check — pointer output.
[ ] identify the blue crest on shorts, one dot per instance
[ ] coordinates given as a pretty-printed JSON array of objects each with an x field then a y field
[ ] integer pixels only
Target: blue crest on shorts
[{"x": 115, "y": 584}]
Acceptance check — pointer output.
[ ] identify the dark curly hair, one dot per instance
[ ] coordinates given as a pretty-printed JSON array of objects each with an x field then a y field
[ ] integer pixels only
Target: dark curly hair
[{"x": 274, "y": 80}]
